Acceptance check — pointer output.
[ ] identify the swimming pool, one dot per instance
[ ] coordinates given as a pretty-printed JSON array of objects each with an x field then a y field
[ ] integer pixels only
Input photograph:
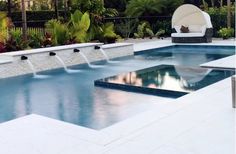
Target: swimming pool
[{"x": 74, "y": 98}]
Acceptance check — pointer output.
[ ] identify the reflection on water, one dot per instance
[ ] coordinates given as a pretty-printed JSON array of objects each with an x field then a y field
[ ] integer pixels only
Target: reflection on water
[
  {"x": 175, "y": 78},
  {"x": 192, "y": 56}
]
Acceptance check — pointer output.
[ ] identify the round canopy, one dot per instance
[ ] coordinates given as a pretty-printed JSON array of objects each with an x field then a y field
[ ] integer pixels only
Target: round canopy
[{"x": 189, "y": 14}]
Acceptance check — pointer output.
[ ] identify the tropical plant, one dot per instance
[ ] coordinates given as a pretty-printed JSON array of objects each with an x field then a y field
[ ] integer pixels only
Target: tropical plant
[
  {"x": 35, "y": 38},
  {"x": 219, "y": 16},
  {"x": 204, "y": 5},
  {"x": 58, "y": 31},
  {"x": 143, "y": 7},
  {"x": 107, "y": 33},
  {"x": 47, "y": 40},
  {"x": 97, "y": 12},
  {"x": 160, "y": 33},
  {"x": 127, "y": 27},
  {"x": 95, "y": 8},
  {"x": 3, "y": 27},
  {"x": 170, "y": 6},
  {"x": 120, "y": 5},
  {"x": 226, "y": 33},
  {"x": 144, "y": 30},
  {"x": 163, "y": 25},
  {"x": 79, "y": 25},
  {"x": 15, "y": 41},
  {"x": 136, "y": 8},
  {"x": 3, "y": 6}
]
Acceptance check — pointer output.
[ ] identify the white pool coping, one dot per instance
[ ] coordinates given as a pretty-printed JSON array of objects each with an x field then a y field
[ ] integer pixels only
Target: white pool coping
[
  {"x": 107, "y": 46},
  {"x": 202, "y": 122},
  {"x": 224, "y": 63},
  {"x": 58, "y": 48}
]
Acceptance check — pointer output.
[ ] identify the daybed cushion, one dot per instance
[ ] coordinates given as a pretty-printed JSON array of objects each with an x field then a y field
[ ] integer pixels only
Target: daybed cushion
[
  {"x": 187, "y": 34},
  {"x": 192, "y": 29}
]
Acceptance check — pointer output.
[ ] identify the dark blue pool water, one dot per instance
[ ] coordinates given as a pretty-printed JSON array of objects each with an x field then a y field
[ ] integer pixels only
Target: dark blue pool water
[{"x": 74, "y": 98}]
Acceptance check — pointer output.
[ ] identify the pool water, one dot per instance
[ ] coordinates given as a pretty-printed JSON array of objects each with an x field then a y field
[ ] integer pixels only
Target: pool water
[
  {"x": 73, "y": 97},
  {"x": 187, "y": 55},
  {"x": 165, "y": 80}
]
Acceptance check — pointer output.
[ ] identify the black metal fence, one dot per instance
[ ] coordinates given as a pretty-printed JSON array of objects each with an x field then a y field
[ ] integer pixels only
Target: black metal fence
[{"x": 126, "y": 26}]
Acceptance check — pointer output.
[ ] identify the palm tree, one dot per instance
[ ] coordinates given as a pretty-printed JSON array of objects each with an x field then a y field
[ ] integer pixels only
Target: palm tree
[
  {"x": 143, "y": 7},
  {"x": 24, "y": 20},
  {"x": 228, "y": 13}
]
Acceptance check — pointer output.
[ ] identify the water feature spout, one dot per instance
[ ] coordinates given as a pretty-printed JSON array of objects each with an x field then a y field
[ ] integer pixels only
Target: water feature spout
[
  {"x": 24, "y": 58},
  {"x": 52, "y": 54},
  {"x": 97, "y": 47},
  {"x": 76, "y": 50}
]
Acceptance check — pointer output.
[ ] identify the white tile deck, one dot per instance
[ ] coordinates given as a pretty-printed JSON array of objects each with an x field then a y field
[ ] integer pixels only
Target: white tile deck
[{"x": 202, "y": 122}]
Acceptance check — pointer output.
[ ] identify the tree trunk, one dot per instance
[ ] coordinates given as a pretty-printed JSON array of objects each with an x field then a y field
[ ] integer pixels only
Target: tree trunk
[
  {"x": 9, "y": 8},
  {"x": 56, "y": 8},
  {"x": 65, "y": 8},
  {"x": 24, "y": 20},
  {"x": 221, "y": 3},
  {"x": 212, "y": 3},
  {"x": 228, "y": 13}
]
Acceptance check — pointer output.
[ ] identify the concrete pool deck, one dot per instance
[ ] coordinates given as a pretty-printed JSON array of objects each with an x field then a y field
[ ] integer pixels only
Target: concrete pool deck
[{"x": 202, "y": 122}]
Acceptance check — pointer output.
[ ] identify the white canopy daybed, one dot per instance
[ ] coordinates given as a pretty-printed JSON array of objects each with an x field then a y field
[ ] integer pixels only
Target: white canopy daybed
[{"x": 197, "y": 21}]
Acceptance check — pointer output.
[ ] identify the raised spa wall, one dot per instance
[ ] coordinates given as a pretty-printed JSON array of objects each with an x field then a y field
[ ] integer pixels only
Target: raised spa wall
[{"x": 11, "y": 64}]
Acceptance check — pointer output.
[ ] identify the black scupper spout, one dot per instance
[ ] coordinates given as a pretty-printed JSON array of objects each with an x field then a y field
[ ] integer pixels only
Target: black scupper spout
[
  {"x": 52, "y": 54},
  {"x": 97, "y": 47},
  {"x": 24, "y": 58},
  {"x": 76, "y": 50}
]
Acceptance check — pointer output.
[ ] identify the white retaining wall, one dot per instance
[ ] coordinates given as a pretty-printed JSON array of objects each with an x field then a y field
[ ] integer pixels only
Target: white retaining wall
[{"x": 12, "y": 65}]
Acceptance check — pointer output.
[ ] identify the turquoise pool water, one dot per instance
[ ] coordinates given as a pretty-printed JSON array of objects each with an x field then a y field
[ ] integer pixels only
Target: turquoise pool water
[{"x": 74, "y": 98}]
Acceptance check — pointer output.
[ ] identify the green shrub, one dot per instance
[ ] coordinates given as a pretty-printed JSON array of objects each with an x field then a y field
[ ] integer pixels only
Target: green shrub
[
  {"x": 144, "y": 30},
  {"x": 58, "y": 30},
  {"x": 226, "y": 33},
  {"x": 35, "y": 38},
  {"x": 127, "y": 27},
  {"x": 163, "y": 25},
  {"x": 79, "y": 25},
  {"x": 107, "y": 33},
  {"x": 15, "y": 41},
  {"x": 160, "y": 33},
  {"x": 219, "y": 18}
]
